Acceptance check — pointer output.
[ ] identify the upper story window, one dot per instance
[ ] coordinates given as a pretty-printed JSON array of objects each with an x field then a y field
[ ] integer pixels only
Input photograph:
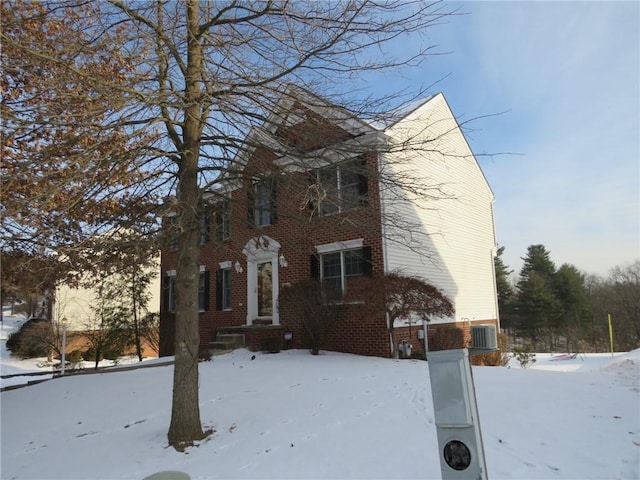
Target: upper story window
[
  {"x": 205, "y": 233},
  {"x": 173, "y": 230},
  {"x": 262, "y": 202},
  {"x": 342, "y": 186},
  {"x": 223, "y": 220}
]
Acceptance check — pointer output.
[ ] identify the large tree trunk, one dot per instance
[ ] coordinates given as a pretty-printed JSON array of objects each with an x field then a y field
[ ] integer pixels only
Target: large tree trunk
[{"x": 185, "y": 424}]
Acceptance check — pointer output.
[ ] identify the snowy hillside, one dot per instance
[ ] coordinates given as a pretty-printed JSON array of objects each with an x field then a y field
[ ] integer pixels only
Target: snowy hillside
[{"x": 292, "y": 415}]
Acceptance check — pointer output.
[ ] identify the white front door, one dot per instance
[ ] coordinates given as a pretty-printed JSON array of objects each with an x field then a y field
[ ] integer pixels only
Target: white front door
[{"x": 262, "y": 279}]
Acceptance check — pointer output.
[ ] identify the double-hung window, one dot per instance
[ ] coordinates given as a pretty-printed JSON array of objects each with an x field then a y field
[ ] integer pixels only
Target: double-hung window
[
  {"x": 223, "y": 221},
  {"x": 338, "y": 269},
  {"x": 223, "y": 287},
  {"x": 343, "y": 186},
  {"x": 171, "y": 293},
  {"x": 203, "y": 291},
  {"x": 262, "y": 202},
  {"x": 205, "y": 234}
]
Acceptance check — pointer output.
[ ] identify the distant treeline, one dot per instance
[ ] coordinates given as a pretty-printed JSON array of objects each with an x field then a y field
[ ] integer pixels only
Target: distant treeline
[{"x": 563, "y": 309}]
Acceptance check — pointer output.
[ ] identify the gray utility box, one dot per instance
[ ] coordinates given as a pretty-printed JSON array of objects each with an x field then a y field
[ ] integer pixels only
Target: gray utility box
[{"x": 460, "y": 446}]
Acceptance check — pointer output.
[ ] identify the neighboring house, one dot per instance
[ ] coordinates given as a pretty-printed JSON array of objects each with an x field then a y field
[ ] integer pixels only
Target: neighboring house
[
  {"x": 75, "y": 304},
  {"x": 347, "y": 198}
]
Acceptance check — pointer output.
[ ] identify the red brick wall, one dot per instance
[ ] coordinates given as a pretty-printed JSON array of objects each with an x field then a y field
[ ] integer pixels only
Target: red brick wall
[{"x": 298, "y": 233}]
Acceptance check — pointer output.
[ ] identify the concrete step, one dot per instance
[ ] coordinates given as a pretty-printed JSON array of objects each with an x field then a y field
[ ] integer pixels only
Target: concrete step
[
  {"x": 221, "y": 346},
  {"x": 262, "y": 321},
  {"x": 234, "y": 340}
]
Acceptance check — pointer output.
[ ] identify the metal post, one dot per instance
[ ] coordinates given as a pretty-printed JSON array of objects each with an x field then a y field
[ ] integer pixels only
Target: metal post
[
  {"x": 64, "y": 344},
  {"x": 611, "y": 334},
  {"x": 460, "y": 446}
]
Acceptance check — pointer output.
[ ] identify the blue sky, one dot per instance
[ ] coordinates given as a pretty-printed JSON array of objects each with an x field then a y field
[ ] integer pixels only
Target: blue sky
[{"x": 568, "y": 73}]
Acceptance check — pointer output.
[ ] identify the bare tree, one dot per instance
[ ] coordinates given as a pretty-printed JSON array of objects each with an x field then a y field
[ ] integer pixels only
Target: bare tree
[
  {"x": 625, "y": 301},
  {"x": 312, "y": 303},
  {"x": 150, "y": 331},
  {"x": 173, "y": 88}
]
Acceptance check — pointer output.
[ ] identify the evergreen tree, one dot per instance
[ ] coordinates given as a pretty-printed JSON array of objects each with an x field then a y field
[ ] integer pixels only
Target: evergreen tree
[
  {"x": 572, "y": 295},
  {"x": 503, "y": 287},
  {"x": 537, "y": 305},
  {"x": 107, "y": 331}
]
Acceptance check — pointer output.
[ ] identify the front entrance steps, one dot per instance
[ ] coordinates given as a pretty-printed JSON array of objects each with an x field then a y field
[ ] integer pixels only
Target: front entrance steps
[
  {"x": 245, "y": 336},
  {"x": 226, "y": 342}
]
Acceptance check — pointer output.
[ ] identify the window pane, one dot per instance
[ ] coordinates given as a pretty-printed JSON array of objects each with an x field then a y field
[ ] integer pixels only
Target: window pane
[
  {"x": 223, "y": 223},
  {"x": 328, "y": 179},
  {"x": 349, "y": 185},
  {"x": 226, "y": 289},
  {"x": 204, "y": 228},
  {"x": 353, "y": 262},
  {"x": 331, "y": 266},
  {"x": 332, "y": 272},
  {"x": 263, "y": 217},
  {"x": 262, "y": 208}
]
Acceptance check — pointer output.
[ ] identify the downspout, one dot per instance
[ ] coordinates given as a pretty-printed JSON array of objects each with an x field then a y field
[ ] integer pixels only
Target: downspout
[
  {"x": 494, "y": 252},
  {"x": 385, "y": 255},
  {"x": 425, "y": 329}
]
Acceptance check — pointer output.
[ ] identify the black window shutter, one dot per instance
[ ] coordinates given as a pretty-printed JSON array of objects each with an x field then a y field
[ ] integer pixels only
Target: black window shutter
[
  {"x": 274, "y": 202},
  {"x": 315, "y": 267},
  {"x": 250, "y": 205},
  {"x": 219, "y": 221},
  {"x": 218, "y": 289},
  {"x": 206, "y": 226},
  {"x": 206, "y": 291},
  {"x": 367, "y": 266}
]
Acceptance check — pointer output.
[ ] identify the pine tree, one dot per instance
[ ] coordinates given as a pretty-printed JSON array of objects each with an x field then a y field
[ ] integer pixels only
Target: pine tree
[
  {"x": 569, "y": 287},
  {"x": 537, "y": 306},
  {"x": 503, "y": 287}
]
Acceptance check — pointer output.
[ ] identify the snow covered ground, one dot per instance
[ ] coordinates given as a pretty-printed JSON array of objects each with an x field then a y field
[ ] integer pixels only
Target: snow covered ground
[{"x": 293, "y": 415}]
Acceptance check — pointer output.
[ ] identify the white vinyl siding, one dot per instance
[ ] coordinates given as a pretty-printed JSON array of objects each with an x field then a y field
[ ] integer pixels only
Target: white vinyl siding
[{"x": 457, "y": 231}]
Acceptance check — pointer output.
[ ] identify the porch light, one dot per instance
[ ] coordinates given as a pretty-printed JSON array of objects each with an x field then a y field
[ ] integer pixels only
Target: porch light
[
  {"x": 238, "y": 267},
  {"x": 283, "y": 261}
]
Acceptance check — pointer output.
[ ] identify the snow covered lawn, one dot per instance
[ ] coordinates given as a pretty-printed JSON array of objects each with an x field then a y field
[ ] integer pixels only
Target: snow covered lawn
[{"x": 292, "y": 415}]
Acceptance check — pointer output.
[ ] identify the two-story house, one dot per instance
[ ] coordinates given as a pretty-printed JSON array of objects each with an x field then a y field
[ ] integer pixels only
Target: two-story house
[{"x": 318, "y": 193}]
